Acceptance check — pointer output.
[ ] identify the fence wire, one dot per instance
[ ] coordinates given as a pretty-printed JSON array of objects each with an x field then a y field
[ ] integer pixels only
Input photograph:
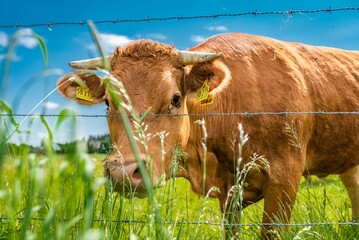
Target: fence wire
[
  {"x": 126, "y": 221},
  {"x": 246, "y": 114},
  {"x": 180, "y": 18}
]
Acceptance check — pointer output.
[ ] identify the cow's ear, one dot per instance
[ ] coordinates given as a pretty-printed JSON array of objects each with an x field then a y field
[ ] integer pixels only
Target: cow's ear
[
  {"x": 215, "y": 74},
  {"x": 84, "y": 87}
]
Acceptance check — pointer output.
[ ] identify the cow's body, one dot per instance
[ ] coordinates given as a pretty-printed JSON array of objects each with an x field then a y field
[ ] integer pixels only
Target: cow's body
[
  {"x": 270, "y": 76},
  {"x": 254, "y": 75}
]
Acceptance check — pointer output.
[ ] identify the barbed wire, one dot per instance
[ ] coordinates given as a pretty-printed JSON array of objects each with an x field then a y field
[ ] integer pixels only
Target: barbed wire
[
  {"x": 180, "y": 18},
  {"x": 246, "y": 114},
  {"x": 126, "y": 221}
]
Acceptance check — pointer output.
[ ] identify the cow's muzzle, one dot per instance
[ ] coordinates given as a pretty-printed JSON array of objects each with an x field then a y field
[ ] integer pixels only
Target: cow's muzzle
[{"x": 125, "y": 177}]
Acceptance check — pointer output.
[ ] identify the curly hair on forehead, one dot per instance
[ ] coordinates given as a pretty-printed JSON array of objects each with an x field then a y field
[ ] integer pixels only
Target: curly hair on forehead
[{"x": 146, "y": 49}]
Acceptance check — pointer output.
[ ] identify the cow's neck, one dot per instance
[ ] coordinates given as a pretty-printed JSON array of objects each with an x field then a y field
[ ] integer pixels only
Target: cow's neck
[{"x": 208, "y": 158}]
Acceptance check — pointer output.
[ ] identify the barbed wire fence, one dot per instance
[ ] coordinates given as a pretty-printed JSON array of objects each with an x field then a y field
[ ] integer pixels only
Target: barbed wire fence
[
  {"x": 246, "y": 114},
  {"x": 328, "y": 10},
  {"x": 49, "y": 25},
  {"x": 2, "y": 219}
]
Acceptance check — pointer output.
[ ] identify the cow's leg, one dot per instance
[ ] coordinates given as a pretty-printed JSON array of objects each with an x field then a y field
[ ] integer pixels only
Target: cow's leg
[
  {"x": 350, "y": 180},
  {"x": 279, "y": 197}
]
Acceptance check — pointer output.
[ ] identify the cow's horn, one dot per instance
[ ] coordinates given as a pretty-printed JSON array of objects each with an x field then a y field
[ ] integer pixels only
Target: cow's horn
[
  {"x": 90, "y": 64},
  {"x": 188, "y": 57}
]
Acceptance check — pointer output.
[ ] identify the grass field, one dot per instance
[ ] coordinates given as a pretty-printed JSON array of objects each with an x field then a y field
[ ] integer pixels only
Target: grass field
[{"x": 66, "y": 197}]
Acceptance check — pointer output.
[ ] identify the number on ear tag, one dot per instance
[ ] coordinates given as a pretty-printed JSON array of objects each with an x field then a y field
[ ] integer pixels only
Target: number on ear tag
[
  {"x": 202, "y": 93},
  {"x": 208, "y": 101},
  {"x": 84, "y": 94}
]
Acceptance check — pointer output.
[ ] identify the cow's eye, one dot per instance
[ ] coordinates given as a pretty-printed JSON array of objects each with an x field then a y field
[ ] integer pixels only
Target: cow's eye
[{"x": 176, "y": 100}]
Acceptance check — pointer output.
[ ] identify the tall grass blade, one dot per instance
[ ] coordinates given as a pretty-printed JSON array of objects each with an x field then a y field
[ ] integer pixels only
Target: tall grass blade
[
  {"x": 114, "y": 88},
  {"x": 94, "y": 34},
  {"x": 11, "y": 54}
]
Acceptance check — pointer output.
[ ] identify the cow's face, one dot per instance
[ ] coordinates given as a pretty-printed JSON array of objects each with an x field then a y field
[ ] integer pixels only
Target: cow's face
[{"x": 157, "y": 82}]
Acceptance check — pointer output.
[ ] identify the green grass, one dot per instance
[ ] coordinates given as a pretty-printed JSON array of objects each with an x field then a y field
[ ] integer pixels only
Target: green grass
[{"x": 44, "y": 198}]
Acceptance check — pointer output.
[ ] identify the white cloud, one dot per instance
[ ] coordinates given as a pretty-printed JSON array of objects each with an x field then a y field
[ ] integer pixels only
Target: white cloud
[
  {"x": 51, "y": 105},
  {"x": 25, "y": 31},
  {"x": 217, "y": 28},
  {"x": 14, "y": 57},
  {"x": 110, "y": 41},
  {"x": 26, "y": 38},
  {"x": 4, "y": 39},
  {"x": 158, "y": 36},
  {"x": 28, "y": 42},
  {"x": 197, "y": 38}
]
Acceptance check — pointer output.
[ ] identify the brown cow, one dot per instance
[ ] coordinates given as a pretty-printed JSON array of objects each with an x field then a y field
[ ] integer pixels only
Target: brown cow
[{"x": 244, "y": 73}]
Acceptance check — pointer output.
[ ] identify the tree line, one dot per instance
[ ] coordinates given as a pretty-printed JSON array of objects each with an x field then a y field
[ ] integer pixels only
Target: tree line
[{"x": 93, "y": 144}]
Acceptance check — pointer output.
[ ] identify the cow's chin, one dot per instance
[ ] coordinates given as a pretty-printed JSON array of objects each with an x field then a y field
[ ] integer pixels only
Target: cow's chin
[{"x": 134, "y": 191}]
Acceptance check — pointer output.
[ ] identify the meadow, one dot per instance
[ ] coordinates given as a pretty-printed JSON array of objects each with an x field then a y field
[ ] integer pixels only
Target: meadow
[{"x": 65, "y": 196}]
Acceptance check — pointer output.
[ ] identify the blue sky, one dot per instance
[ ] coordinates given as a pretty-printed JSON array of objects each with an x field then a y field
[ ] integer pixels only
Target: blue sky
[{"x": 73, "y": 42}]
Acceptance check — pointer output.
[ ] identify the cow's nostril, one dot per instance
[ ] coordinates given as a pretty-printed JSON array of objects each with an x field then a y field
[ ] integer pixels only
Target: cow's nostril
[{"x": 137, "y": 174}]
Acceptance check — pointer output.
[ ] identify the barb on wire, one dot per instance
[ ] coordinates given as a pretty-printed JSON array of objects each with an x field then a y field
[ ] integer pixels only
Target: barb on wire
[
  {"x": 246, "y": 114},
  {"x": 178, "y": 18}
]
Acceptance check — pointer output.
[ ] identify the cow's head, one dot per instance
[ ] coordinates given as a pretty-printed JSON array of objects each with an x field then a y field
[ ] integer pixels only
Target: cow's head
[{"x": 157, "y": 78}]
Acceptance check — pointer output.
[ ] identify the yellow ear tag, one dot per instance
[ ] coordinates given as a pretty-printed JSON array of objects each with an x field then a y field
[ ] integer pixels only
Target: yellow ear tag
[
  {"x": 208, "y": 101},
  {"x": 202, "y": 93},
  {"x": 84, "y": 94}
]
